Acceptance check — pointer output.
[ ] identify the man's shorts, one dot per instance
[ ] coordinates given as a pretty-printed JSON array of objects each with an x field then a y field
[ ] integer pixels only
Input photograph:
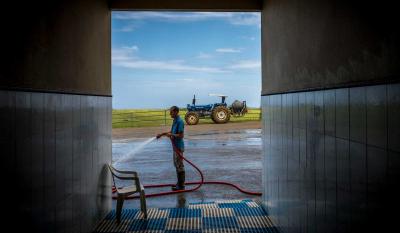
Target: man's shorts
[{"x": 178, "y": 163}]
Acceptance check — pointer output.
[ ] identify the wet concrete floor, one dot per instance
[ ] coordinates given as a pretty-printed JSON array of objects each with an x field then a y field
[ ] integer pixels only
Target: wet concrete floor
[{"x": 230, "y": 155}]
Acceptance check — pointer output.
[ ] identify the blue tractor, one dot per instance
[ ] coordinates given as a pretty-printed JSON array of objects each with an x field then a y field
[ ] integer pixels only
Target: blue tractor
[{"x": 219, "y": 112}]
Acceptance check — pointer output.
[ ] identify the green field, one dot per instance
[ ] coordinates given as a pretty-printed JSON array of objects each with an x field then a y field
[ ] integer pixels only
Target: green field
[{"x": 158, "y": 117}]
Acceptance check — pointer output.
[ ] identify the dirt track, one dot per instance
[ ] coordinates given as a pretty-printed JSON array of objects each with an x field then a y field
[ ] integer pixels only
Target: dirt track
[{"x": 190, "y": 130}]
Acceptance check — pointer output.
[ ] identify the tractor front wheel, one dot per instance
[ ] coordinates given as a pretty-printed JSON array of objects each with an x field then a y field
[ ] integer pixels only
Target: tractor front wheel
[
  {"x": 220, "y": 115},
  {"x": 191, "y": 118}
]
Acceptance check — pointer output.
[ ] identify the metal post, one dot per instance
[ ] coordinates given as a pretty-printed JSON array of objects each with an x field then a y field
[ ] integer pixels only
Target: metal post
[{"x": 165, "y": 117}]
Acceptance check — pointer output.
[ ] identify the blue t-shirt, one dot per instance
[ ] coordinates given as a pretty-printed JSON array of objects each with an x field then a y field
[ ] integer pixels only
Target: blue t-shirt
[{"x": 178, "y": 127}]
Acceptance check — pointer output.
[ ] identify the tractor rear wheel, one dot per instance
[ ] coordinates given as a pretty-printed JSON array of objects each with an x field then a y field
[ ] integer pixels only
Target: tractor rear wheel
[
  {"x": 192, "y": 118},
  {"x": 220, "y": 115}
]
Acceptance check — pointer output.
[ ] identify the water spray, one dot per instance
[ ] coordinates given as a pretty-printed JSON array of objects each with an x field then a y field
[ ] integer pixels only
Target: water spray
[{"x": 130, "y": 154}]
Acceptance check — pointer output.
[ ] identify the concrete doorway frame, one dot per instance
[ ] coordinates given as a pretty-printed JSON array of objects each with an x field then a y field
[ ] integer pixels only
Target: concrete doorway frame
[{"x": 188, "y": 6}]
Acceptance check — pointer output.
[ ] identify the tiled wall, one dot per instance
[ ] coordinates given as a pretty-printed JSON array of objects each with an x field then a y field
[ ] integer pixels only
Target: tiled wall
[
  {"x": 54, "y": 148},
  {"x": 331, "y": 158}
]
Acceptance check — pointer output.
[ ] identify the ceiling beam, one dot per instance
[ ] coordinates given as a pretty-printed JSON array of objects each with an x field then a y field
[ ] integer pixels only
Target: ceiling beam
[{"x": 187, "y": 5}]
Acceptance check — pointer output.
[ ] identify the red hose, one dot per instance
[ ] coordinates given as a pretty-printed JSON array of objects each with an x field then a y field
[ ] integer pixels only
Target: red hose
[{"x": 198, "y": 183}]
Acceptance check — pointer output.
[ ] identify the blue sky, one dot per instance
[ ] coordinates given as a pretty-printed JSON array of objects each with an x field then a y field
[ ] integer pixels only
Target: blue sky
[{"x": 160, "y": 59}]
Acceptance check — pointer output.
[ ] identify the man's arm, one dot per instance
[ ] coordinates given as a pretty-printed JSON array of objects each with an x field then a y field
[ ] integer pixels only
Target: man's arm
[
  {"x": 177, "y": 135},
  {"x": 163, "y": 134},
  {"x": 169, "y": 134}
]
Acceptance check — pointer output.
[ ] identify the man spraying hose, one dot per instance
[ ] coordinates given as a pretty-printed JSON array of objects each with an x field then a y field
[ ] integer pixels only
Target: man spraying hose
[{"x": 176, "y": 134}]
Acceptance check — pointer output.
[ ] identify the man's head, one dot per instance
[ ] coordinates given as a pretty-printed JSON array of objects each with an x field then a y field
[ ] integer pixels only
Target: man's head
[{"x": 173, "y": 111}]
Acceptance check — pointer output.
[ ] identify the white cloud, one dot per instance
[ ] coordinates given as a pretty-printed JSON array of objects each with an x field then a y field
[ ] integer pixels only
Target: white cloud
[
  {"x": 248, "y": 37},
  {"x": 228, "y": 50},
  {"x": 127, "y": 28},
  {"x": 189, "y": 79},
  {"x": 127, "y": 58},
  {"x": 246, "y": 64},
  {"x": 204, "y": 55},
  {"x": 165, "y": 65},
  {"x": 133, "y": 47},
  {"x": 124, "y": 57},
  {"x": 234, "y": 18},
  {"x": 247, "y": 19},
  {"x": 120, "y": 54}
]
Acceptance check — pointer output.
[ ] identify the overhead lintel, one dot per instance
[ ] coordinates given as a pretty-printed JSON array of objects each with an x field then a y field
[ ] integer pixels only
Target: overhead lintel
[{"x": 186, "y": 5}]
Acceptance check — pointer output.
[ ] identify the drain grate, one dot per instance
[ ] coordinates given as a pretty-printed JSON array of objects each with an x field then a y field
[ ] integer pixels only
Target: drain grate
[{"x": 211, "y": 217}]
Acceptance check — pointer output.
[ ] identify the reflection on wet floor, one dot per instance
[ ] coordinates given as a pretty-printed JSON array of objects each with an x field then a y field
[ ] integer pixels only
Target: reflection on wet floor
[
  {"x": 233, "y": 156},
  {"x": 180, "y": 200}
]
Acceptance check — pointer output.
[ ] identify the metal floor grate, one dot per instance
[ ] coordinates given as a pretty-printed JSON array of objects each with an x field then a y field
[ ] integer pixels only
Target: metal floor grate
[{"x": 241, "y": 216}]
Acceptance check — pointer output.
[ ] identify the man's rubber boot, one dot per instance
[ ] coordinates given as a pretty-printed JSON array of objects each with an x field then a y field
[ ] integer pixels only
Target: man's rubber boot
[{"x": 181, "y": 182}]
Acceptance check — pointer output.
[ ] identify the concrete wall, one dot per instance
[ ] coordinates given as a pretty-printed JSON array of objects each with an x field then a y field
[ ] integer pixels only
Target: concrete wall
[
  {"x": 319, "y": 177},
  {"x": 192, "y": 5},
  {"x": 55, "y": 114},
  {"x": 56, "y": 46},
  {"x": 332, "y": 158},
  {"x": 54, "y": 150},
  {"x": 331, "y": 134},
  {"x": 315, "y": 44}
]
